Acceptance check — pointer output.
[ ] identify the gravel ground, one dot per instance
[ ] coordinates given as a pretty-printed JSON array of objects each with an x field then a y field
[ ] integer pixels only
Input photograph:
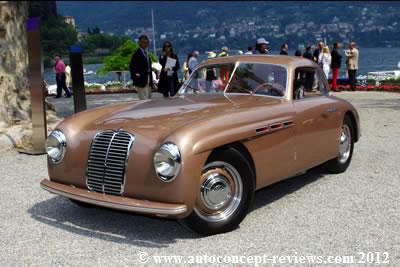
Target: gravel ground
[{"x": 312, "y": 214}]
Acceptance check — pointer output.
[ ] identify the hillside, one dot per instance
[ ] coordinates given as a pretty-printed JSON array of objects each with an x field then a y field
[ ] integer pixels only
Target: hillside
[{"x": 206, "y": 25}]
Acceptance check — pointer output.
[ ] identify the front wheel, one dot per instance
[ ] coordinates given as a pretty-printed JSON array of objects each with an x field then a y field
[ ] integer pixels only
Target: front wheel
[
  {"x": 225, "y": 195},
  {"x": 346, "y": 145}
]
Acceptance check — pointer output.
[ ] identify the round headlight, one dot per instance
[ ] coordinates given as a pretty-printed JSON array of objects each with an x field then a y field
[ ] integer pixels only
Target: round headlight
[
  {"x": 55, "y": 144},
  {"x": 167, "y": 162}
]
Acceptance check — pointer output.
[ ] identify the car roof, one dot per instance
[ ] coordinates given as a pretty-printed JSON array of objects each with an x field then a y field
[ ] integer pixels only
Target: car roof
[{"x": 288, "y": 61}]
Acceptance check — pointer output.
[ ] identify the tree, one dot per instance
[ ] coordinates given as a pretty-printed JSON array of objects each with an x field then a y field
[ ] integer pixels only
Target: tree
[
  {"x": 120, "y": 59},
  {"x": 57, "y": 36},
  {"x": 96, "y": 30},
  {"x": 92, "y": 41}
]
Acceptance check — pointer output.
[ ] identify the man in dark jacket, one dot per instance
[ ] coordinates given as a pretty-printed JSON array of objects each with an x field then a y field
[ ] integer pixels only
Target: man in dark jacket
[
  {"x": 284, "y": 49},
  {"x": 140, "y": 68},
  {"x": 309, "y": 75},
  {"x": 317, "y": 51},
  {"x": 308, "y": 54},
  {"x": 335, "y": 64}
]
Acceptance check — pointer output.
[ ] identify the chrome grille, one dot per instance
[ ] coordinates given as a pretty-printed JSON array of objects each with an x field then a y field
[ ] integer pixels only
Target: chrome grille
[{"x": 106, "y": 163}]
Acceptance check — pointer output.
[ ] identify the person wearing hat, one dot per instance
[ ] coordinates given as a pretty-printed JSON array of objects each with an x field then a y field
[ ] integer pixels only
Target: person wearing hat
[
  {"x": 261, "y": 46},
  {"x": 224, "y": 52}
]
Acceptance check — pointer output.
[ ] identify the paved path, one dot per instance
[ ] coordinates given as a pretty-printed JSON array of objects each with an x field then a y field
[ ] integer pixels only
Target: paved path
[
  {"x": 65, "y": 106},
  {"x": 313, "y": 214}
]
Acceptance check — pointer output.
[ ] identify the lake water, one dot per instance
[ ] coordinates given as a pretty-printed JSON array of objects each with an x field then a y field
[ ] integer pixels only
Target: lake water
[{"x": 371, "y": 59}]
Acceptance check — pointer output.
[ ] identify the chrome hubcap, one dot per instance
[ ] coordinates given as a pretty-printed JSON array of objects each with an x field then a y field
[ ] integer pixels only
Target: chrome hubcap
[
  {"x": 215, "y": 191},
  {"x": 220, "y": 192},
  {"x": 345, "y": 144}
]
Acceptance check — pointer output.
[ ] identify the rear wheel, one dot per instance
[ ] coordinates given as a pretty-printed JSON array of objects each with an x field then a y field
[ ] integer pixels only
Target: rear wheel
[
  {"x": 225, "y": 195},
  {"x": 346, "y": 144}
]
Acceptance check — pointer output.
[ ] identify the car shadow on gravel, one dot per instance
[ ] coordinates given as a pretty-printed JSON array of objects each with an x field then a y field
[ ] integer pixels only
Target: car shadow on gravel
[
  {"x": 139, "y": 230},
  {"x": 280, "y": 189},
  {"x": 109, "y": 225}
]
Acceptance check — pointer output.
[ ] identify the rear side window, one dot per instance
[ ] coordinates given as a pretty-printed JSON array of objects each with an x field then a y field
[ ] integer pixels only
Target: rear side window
[{"x": 309, "y": 82}]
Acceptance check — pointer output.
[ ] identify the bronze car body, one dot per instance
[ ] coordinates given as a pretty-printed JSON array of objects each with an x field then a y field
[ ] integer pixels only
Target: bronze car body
[{"x": 280, "y": 137}]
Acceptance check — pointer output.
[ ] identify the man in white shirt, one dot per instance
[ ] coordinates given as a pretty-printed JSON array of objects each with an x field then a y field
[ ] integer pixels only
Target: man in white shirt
[
  {"x": 352, "y": 64},
  {"x": 68, "y": 79},
  {"x": 249, "y": 50}
]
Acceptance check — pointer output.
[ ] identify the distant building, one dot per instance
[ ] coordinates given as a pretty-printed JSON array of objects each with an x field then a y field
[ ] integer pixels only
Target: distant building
[{"x": 69, "y": 20}]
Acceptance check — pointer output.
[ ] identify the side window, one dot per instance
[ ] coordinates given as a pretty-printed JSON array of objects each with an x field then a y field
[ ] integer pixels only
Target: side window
[{"x": 309, "y": 82}]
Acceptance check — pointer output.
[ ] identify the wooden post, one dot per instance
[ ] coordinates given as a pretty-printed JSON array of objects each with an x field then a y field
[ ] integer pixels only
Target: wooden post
[{"x": 37, "y": 89}]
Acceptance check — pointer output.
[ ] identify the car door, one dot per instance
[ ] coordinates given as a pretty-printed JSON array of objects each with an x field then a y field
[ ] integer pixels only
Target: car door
[
  {"x": 317, "y": 119},
  {"x": 271, "y": 120}
]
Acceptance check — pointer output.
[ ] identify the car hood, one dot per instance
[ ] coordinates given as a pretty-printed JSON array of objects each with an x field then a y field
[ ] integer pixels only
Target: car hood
[{"x": 157, "y": 118}]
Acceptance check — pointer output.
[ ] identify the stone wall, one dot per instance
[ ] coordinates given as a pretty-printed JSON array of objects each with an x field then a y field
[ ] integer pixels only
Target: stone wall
[
  {"x": 15, "y": 104},
  {"x": 14, "y": 91}
]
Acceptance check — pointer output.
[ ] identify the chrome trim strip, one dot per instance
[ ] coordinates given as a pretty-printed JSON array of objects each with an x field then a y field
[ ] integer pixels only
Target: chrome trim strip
[
  {"x": 155, "y": 211},
  {"x": 273, "y": 127},
  {"x": 330, "y": 110},
  {"x": 132, "y": 141},
  {"x": 105, "y": 161}
]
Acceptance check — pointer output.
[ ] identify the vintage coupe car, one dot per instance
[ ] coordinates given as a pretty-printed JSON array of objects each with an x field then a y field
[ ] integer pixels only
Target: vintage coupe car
[{"x": 238, "y": 124}]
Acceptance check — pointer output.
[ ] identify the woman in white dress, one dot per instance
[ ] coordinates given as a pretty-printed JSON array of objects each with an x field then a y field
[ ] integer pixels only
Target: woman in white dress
[{"x": 324, "y": 60}]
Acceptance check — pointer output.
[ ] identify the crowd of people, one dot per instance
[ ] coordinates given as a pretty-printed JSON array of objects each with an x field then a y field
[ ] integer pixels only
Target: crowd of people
[
  {"x": 330, "y": 60},
  {"x": 143, "y": 76}
]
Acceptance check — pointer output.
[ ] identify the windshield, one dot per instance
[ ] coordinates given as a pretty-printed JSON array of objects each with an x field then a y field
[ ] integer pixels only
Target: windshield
[{"x": 248, "y": 78}]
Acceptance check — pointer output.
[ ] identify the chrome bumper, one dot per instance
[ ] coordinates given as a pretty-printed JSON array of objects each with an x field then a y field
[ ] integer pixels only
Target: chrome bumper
[{"x": 115, "y": 202}]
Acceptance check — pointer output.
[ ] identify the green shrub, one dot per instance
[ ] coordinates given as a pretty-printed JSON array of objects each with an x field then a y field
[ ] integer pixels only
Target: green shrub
[{"x": 121, "y": 58}]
